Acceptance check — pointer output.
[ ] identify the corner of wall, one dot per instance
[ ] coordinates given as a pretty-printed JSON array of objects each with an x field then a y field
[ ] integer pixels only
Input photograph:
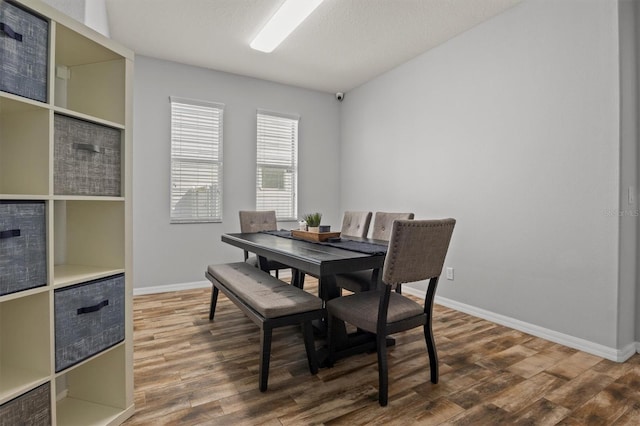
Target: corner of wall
[
  {"x": 628, "y": 284},
  {"x": 95, "y": 16}
]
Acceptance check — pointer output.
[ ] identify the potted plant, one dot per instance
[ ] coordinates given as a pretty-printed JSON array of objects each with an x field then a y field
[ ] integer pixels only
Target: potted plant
[{"x": 313, "y": 221}]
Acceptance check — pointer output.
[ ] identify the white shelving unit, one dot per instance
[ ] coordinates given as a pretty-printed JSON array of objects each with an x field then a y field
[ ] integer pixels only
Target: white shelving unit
[{"x": 88, "y": 237}]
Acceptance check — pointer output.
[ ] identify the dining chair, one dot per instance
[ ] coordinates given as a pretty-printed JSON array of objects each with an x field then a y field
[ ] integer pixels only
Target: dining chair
[
  {"x": 256, "y": 221},
  {"x": 417, "y": 249},
  {"x": 366, "y": 280},
  {"x": 355, "y": 224}
]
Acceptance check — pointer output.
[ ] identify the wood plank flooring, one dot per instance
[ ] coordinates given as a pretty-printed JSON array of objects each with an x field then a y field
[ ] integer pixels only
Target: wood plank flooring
[{"x": 189, "y": 371}]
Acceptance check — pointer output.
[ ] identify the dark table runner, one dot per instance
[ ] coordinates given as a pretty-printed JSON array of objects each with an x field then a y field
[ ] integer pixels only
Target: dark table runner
[{"x": 345, "y": 244}]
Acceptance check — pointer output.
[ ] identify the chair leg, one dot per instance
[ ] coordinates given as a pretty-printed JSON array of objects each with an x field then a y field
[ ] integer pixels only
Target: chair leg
[
  {"x": 214, "y": 301},
  {"x": 265, "y": 355},
  {"x": 277, "y": 274},
  {"x": 433, "y": 353},
  {"x": 310, "y": 347},
  {"x": 383, "y": 375},
  {"x": 428, "y": 329}
]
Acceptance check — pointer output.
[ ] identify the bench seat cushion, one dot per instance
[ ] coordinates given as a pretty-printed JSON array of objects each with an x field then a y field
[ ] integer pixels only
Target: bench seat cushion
[{"x": 266, "y": 294}]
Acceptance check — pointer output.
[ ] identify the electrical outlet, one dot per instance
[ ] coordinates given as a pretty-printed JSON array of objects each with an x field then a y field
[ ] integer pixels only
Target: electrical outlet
[{"x": 449, "y": 273}]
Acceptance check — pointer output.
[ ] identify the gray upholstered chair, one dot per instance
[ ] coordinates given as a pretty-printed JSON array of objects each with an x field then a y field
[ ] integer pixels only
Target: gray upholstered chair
[
  {"x": 365, "y": 280},
  {"x": 355, "y": 224},
  {"x": 417, "y": 249},
  {"x": 383, "y": 222},
  {"x": 256, "y": 221}
]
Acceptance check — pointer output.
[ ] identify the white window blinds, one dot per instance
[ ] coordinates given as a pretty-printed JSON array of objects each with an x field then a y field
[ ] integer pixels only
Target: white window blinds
[
  {"x": 196, "y": 161},
  {"x": 277, "y": 164}
]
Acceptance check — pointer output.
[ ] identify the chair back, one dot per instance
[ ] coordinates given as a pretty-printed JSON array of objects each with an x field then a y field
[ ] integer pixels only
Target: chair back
[
  {"x": 355, "y": 224},
  {"x": 382, "y": 223},
  {"x": 417, "y": 249},
  {"x": 256, "y": 221}
]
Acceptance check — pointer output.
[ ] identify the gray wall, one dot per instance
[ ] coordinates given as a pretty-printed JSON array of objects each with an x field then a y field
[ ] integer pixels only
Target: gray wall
[
  {"x": 167, "y": 254},
  {"x": 513, "y": 129}
]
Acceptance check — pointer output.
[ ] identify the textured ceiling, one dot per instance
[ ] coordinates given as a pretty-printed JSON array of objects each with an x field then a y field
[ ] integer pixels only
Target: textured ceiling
[{"x": 342, "y": 45}]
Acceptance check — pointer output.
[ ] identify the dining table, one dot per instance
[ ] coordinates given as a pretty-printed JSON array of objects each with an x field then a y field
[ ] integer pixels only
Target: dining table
[
  {"x": 323, "y": 260},
  {"x": 320, "y": 259}
]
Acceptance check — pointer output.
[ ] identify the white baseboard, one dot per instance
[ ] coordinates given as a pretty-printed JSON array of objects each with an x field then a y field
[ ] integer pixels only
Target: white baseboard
[
  {"x": 170, "y": 287},
  {"x": 613, "y": 354}
]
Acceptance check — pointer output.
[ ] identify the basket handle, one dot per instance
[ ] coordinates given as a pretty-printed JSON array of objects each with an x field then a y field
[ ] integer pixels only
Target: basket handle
[
  {"x": 94, "y": 308},
  {"x": 87, "y": 147},
  {"x": 9, "y": 234},
  {"x": 9, "y": 32}
]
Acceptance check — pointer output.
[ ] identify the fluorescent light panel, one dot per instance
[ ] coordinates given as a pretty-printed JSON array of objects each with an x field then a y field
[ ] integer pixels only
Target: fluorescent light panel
[{"x": 282, "y": 23}]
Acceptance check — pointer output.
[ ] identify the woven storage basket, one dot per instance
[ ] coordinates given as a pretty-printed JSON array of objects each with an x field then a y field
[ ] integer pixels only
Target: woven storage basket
[
  {"x": 23, "y": 246},
  {"x": 89, "y": 318},
  {"x": 33, "y": 408},
  {"x": 24, "y": 41},
  {"x": 86, "y": 158}
]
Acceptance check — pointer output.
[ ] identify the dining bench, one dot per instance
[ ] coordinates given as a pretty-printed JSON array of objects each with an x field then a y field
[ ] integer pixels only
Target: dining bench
[{"x": 268, "y": 302}]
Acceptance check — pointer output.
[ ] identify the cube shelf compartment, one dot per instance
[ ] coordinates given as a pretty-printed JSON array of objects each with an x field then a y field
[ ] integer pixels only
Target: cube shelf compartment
[
  {"x": 90, "y": 393},
  {"x": 23, "y": 247},
  {"x": 25, "y": 350},
  {"x": 33, "y": 408},
  {"x": 24, "y": 147},
  {"x": 24, "y": 49},
  {"x": 89, "y": 318},
  {"x": 85, "y": 244},
  {"x": 80, "y": 62},
  {"x": 87, "y": 158}
]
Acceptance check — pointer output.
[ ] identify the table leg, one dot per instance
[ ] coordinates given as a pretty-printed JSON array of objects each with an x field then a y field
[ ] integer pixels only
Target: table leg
[
  {"x": 263, "y": 263},
  {"x": 297, "y": 278},
  {"x": 328, "y": 288}
]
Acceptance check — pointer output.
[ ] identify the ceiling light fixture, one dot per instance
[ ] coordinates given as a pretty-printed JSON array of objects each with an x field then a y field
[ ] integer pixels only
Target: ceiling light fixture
[{"x": 282, "y": 23}]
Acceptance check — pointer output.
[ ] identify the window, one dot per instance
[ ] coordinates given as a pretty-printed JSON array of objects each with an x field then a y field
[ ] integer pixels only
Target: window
[
  {"x": 196, "y": 161},
  {"x": 277, "y": 164}
]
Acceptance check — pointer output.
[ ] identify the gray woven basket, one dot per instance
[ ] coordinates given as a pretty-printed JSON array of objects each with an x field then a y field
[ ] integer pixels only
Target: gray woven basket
[
  {"x": 24, "y": 40},
  {"x": 88, "y": 319},
  {"x": 23, "y": 246},
  {"x": 33, "y": 408},
  {"x": 86, "y": 158}
]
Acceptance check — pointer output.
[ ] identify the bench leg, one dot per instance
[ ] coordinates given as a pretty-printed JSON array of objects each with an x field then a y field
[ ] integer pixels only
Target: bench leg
[
  {"x": 265, "y": 354},
  {"x": 312, "y": 358},
  {"x": 214, "y": 300}
]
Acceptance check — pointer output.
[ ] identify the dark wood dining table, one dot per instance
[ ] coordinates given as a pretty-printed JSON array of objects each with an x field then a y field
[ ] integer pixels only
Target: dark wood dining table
[
  {"x": 322, "y": 261},
  {"x": 306, "y": 257}
]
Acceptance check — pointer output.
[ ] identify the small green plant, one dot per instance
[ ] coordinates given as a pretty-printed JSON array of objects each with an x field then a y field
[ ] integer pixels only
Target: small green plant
[{"x": 312, "y": 219}]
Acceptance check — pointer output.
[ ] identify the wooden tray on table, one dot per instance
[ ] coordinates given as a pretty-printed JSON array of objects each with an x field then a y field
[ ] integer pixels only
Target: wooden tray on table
[{"x": 314, "y": 236}]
